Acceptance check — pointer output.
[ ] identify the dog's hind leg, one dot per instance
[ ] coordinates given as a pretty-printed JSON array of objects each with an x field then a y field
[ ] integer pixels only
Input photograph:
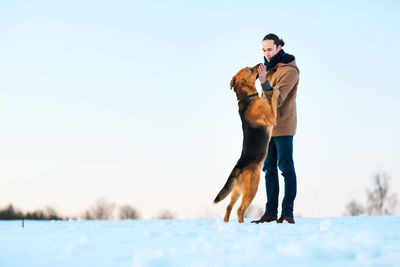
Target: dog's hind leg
[
  {"x": 246, "y": 201},
  {"x": 250, "y": 191},
  {"x": 235, "y": 194}
]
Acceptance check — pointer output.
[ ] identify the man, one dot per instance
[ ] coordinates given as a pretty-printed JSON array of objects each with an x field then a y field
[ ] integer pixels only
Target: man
[{"x": 280, "y": 70}]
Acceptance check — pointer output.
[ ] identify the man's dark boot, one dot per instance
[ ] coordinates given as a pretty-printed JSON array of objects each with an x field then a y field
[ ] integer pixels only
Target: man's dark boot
[
  {"x": 265, "y": 218},
  {"x": 286, "y": 218}
]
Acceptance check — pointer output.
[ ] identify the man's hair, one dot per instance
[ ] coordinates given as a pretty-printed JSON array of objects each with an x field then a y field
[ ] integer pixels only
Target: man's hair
[{"x": 275, "y": 38}]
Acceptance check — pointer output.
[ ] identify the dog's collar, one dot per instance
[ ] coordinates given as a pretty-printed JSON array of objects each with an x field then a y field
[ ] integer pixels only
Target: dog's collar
[{"x": 247, "y": 96}]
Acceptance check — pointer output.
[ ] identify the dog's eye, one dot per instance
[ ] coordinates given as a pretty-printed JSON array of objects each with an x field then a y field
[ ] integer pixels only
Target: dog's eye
[{"x": 251, "y": 70}]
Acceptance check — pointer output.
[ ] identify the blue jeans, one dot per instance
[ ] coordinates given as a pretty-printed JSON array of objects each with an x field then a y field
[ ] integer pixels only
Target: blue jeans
[{"x": 280, "y": 154}]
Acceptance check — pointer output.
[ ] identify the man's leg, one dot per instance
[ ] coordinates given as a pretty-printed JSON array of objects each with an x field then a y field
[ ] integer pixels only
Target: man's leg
[
  {"x": 284, "y": 145},
  {"x": 271, "y": 179}
]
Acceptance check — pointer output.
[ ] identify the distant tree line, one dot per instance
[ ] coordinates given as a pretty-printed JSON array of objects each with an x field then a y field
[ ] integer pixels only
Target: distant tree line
[
  {"x": 101, "y": 210},
  {"x": 379, "y": 200},
  {"x": 105, "y": 210},
  {"x": 10, "y": 213}
]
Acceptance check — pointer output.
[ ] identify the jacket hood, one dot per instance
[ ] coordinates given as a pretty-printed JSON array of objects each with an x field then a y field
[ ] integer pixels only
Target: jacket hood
[{"x": 290, "y": 62}]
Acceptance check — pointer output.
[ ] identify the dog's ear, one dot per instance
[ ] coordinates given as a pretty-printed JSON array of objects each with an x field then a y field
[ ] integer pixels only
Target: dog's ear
[{"x": 233, "y": 81}]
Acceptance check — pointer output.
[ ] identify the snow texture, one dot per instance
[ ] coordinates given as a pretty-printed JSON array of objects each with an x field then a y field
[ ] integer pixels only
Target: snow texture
[{"x": 343, "y": 241}]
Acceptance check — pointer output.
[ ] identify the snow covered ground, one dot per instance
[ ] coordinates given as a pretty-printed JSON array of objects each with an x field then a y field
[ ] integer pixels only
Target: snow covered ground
[{"x": 342, "y": 241}]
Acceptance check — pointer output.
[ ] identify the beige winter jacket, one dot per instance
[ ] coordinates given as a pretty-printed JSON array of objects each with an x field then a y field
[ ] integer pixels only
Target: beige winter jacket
[{"x": 286, "y": 76}]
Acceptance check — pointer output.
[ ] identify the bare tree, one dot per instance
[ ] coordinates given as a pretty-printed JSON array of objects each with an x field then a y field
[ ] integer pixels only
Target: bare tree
[
  {"x": 102, "y": 210},
  {"x": 166, "y": 214},
  {"x": 127, "y": 212},
  {"x": 51, "y": 214},
  {"x": 379, "y": 200},
  {"x": 354, "y": 208}
]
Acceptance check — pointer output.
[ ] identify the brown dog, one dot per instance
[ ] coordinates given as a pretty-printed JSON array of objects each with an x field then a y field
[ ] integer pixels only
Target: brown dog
[{"x": 258, "y": 119}]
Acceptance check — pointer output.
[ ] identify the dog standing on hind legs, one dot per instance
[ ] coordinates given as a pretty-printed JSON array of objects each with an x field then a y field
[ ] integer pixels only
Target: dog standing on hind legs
[{"x": 258, "y": 117}]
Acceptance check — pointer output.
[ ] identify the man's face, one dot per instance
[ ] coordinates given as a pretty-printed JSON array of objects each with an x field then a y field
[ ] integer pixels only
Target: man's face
[{"x": 270, "y": 49}]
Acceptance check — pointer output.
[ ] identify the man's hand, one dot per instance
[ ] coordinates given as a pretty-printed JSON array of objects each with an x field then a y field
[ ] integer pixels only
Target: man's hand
[{"x": 262, "y": 73}]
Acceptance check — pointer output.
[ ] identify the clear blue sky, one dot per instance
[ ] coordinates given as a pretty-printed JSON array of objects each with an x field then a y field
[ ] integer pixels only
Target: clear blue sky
[{"x": 130, "y": 101}]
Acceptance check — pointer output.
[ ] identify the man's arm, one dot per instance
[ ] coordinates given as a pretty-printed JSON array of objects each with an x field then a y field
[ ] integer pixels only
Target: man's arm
[
  {"x": 266, "y": 86},
  {"x": 286, "y": 84}
]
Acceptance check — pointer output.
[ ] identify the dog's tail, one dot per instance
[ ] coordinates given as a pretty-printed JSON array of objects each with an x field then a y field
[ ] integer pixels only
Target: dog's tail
[{"x": 228, "y": 185}]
